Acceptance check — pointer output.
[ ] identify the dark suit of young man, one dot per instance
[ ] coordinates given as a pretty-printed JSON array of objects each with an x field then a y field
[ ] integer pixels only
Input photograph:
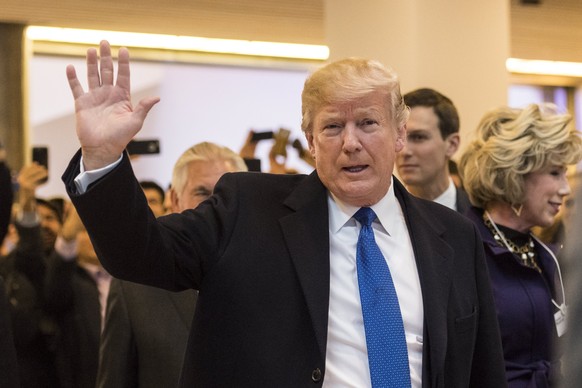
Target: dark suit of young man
[
  {"x": 73, "y": 298},
  {"x": 133, "y": 354},
  {"x": 262, "y": 268}
]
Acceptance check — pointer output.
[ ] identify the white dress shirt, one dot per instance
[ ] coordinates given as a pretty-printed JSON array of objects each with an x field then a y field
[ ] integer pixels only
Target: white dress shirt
[
  {"x": 347, "y": 356},
  {"x": 449, "y": 197}
]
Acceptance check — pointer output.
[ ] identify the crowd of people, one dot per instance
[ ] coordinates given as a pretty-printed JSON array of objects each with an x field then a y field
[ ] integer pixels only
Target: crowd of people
[{"x": 378, "y": 269}]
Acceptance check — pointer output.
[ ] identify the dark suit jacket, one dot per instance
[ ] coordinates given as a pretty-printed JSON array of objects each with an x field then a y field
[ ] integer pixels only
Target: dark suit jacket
[
  {"x": 258, "y": 251},
  {"x": 145, "y": 336},
  {"x": 463, "y": 203},
  {"x": 73, "y": 298}
]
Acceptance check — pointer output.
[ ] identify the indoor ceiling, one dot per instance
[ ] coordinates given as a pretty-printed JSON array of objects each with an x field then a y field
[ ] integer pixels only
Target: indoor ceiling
[
  {"x": 551, "y": 29},
  {"x": 298, "y": 21}
]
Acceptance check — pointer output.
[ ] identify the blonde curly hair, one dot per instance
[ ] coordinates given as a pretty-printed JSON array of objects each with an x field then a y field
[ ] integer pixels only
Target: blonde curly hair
[{"x": 511, "y": 143}]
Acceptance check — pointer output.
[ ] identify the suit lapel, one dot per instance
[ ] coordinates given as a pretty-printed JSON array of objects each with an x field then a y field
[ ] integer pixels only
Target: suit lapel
[
  {"x": 306, "y": 233},
  {"x": 434, "y": 260}
]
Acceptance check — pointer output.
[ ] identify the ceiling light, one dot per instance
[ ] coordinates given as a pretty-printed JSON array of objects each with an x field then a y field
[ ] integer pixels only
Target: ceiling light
[
  {"x": 180, "y": 43},
  {"x": 527, "y": 66}
]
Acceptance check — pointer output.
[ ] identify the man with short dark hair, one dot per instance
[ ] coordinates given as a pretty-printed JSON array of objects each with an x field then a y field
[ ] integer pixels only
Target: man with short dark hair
[{"x": 432, "y": 140}]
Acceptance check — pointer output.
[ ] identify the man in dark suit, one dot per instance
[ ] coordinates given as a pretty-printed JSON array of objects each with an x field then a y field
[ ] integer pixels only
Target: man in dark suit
[
  {"x": 146, "y": 328},
  {"x": 432, "y": 140},
  {"x": 274, "y": 256},
  {"x": 76, "y": 293}
]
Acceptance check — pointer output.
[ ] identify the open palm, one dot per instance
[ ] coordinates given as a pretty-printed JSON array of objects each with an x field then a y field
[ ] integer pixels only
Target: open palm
[{"x": 106, "y": 119}]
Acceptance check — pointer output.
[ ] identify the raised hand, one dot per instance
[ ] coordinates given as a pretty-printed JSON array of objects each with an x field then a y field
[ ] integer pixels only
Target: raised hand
[
  {"x": 106, "y": 119},
  {"x": 72, "y": 225},
  {"x": 30, "y": 177}
]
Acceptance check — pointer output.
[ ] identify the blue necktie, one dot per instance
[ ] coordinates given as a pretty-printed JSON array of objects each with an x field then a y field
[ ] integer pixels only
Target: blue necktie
[{"x": 387, "y": 353}]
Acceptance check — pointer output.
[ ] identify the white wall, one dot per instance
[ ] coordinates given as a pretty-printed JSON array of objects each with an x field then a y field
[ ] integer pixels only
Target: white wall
[{"x": 198, "y": 103}]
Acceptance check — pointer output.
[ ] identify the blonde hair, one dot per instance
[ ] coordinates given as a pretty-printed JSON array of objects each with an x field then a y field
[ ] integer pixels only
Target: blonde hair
[
  {"x": 206, "y": 152},
  {"x": 512, "y": 143},
  {"x": 349, "y": 79}
]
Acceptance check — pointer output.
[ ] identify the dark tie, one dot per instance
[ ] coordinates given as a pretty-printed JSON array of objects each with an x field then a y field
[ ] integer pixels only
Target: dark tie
[{"x": 387, "y": 353}]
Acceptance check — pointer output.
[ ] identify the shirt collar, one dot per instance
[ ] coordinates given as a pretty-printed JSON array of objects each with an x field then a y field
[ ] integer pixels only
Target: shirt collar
[
  {"x": 449, "y": 197},
  {"x": 340, "y": 213}
]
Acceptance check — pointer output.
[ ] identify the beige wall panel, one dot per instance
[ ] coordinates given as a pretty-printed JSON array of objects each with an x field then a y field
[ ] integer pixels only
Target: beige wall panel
[{"x": 454, "y": 46}]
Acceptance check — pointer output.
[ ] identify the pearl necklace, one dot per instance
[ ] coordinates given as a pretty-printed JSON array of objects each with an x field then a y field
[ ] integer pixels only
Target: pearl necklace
[{"x": 525, "y": 253}]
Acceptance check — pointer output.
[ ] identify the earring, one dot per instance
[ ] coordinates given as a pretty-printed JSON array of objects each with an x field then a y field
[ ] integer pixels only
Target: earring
[{"x": 517, "y": 210}]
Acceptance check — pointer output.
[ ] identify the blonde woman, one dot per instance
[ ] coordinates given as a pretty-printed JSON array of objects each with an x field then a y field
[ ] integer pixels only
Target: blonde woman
[{"x": 515, "y": 175}]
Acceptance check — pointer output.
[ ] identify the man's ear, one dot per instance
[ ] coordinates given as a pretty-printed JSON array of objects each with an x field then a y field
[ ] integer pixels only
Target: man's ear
[
  {"x": 309, "y": 138},
  {"x": 453, "y": 142}
]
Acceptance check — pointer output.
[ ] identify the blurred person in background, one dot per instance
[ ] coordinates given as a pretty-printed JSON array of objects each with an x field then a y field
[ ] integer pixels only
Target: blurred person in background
[
  {"x": 8, "y": 363},
  {"x": 76, "y": 294},
  {"x": 38, "y": 222},
  {"x": 432, "y": 138},
  {"x": 515, "y": 175},
  {"x": 156, "y": 197}
]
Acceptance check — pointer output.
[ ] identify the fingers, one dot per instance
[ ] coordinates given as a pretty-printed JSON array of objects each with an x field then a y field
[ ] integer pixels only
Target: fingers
[
  {"x": 74, "y": 83},
  {"x": 144, "y": 106},
  {"x": 106, "y": 63},
  {"x": 123, "y": 78},
  {"x": 93, "y": 79},
  {"x": 31, "y": 176},
  {"x": 100, "y": 71}
]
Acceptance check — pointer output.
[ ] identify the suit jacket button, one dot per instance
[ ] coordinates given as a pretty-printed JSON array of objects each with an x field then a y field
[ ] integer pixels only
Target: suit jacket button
[{"x": 316, "y": 375}]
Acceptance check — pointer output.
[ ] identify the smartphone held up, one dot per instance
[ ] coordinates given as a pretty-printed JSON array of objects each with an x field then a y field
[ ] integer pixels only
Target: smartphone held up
[{"x": 40, "y": 155}]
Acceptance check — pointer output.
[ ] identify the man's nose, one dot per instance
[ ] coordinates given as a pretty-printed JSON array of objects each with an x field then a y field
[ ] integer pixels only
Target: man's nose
[{"x": 351, "y": 139}]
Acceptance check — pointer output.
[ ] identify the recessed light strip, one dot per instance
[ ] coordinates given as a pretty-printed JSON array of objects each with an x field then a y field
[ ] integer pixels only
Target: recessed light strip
[
  {"x": 557, "y": 68},
  {"x": 180, "y": 43}
]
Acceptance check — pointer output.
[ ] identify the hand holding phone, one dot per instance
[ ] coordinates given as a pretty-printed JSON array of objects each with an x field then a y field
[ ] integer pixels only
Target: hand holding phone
[{"x": 281, "y": 139}]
